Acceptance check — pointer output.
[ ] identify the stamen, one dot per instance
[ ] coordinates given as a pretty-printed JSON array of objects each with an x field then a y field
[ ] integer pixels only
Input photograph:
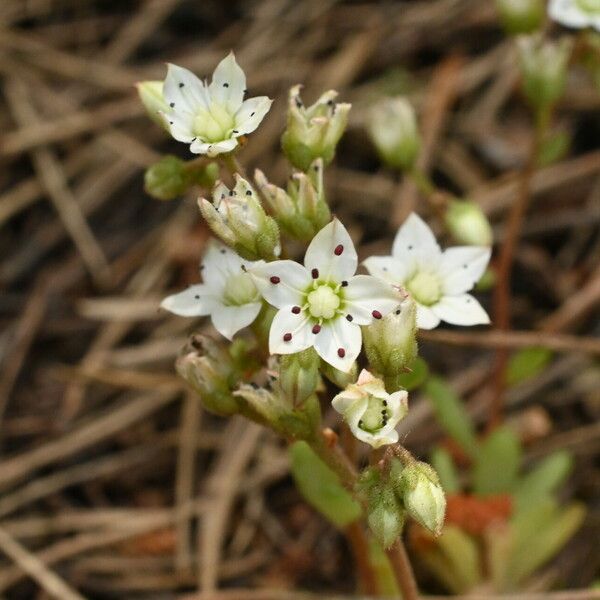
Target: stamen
[
  {"x": 274, "y": 279},
  {"x": 287, "y": 337},
  {"x": 172, "y": 104},
  {"x": 316, "y": 329},
  {"x": 225, "y": 85},
  {"x": 349, "y": 318},
  {"x": 248, "y": 192},
  {"x": 344, "y": 283},
  {"x": 341, "y": 352},
  {"x": 376, "y": 314},
  {"x": 315, "y": 273},
  {"x": 338, "y": 250},
  {"x": 296, "y": 310}
]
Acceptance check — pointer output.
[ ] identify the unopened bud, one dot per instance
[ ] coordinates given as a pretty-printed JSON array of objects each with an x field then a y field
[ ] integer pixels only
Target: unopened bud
[
  {"x": 422, "y": 495},
  {"x": 521, "y": 16},
  {"x": 468, "y": 224},
  {"x": 207, "y": 367},
  {"x": 302, "y": 210},
  {"x": 299, "y": 375},
  {"x": 391, "y": 343},
  {"x": 393, "y": 128},
  {"x": 339, "y": 378},
  {"x": 313, "y": 132},
  {"x": 151, "y": 95},
  {"x": 237, "y": 217},
  {"x": 543, "y": 69}
]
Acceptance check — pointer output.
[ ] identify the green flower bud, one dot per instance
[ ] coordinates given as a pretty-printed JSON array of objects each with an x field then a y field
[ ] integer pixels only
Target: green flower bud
[
  {"x": 313, "y": 132},
  {"x": 337, "y": 377},
  {"x": 391, "y": 343},
  {"x": 237, "y": 217},
  {"x": 385, "y": 513},
  {"x": 299, "y": 375},
  {"x": 468, "y": 224},
  {"x": 543, "y": 69},
  {"x": 207, "y": 367},
  {"x": 151, "y": 95},
  {"x": 302, "y": 210},
  {"x": 521, "y": 16},
  {"x": 171, "y": 177},
  {"x": 422, "y": 495},
  {"x": 393, "y": 128}
]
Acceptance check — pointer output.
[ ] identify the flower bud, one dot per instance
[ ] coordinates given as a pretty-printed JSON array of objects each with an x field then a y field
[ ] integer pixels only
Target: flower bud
[
  {"x": 543, "y": 69},
  {"x": 391, "y": 343},
  {"x": 299, "y": 375},
  {"x": 151, "y": 95},
  {"x": 371, "y": 413},
  {"x": 207, "y": 367},
  {"x": 302, "y": 210},
  {"x": 237, "y": 217},
  {"x": 313, "y": 132},
  {"x": 468, "y": 224},
  {"x": 337, "y": 377},
  {"x": 393, "y": 128},
  {"x": 422, "y": 495},
  {"x": 521, "y": 16}
]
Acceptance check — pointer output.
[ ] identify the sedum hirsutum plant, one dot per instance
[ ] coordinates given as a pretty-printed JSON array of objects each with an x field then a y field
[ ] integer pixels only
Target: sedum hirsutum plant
[{"x": 294, "y": 308}]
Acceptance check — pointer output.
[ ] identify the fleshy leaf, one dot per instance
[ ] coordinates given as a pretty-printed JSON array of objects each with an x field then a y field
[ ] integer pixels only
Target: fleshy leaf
[
  {"x": 527, "y": 363},
  {"x": 442, "y": 462}
]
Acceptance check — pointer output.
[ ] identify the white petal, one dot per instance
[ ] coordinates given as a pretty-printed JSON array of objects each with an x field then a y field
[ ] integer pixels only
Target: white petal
[
  {"x": 218, "y": 263},
  {"x": 228, "y": 320},
  {"x": 426, "y": 318},
  {"x": 365, "y": 295},
  {"x": 196, "y": 301},
  {"x": 385, "y": 436},
  {"x": 462, "y": 267},
  {"x": 415, "y": 242},
  {"x": 180, "y": 125},
  {"x": 286, "y": 322},
  {"x": 568, "y": 13},
  {"x": 336, "y": 337},
  {"x": 461, "y": 310},
  {"x": 183, "y": 91},
  {"x": 351, "y": 404},
  {"x": 228, "y": 84},
  {"x": 292, "y": 280},
  {"x": 251, "y": 113},
  {"x": 332, "y": 253},
  {"x": 214, "y": 148},
  {"x": 387, "y": 267}
]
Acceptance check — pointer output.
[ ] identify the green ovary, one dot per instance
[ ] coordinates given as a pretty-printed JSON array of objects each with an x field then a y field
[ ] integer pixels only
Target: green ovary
[
  {"x": 323, "y": 302},
  {"x": 425, "y": 288},
  {"x": 375, "y": 417},
  {"x": 589, "y": 6},
  {"x": 213, "y": 125},
  {"x": 239, "y": 290}
]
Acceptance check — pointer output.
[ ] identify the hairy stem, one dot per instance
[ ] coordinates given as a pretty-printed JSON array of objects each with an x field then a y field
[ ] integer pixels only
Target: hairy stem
[
  {"x": 232, "y": 164},
  {"x": 502, "y": 295},
  {"x": 403, "y": 570}
]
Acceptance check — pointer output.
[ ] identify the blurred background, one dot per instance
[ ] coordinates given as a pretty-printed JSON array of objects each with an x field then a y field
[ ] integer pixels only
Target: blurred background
[{"x": 114, "y": 483}]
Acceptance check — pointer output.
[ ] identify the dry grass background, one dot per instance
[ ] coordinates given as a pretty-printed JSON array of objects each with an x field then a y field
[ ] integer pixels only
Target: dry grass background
[{"x": 113, "y": 482}]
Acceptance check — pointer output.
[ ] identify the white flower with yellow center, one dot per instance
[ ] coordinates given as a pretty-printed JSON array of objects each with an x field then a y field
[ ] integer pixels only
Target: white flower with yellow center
[
  {"x": 437, "y": 281},
  {"x": 576, "y": 13},
  {"x": 212, "y": 117},
  {"x": 323, "y": 304},
  {"x": 371, "y": 413},
  {"x": 227, "y": 294}
]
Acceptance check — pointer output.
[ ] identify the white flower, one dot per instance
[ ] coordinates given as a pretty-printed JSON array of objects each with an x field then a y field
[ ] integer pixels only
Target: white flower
[
  {"x": 576, "y": 13},
  {"x": 322, "y": 303},
  {"x": 371, "y": 413},
  {"x": 228, "y": 293},
  {"x": 436, "y": 280},
  {"x": 211, "y": 117}
]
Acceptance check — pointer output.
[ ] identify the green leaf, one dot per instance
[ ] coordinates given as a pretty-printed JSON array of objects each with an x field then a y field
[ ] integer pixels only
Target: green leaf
[
  {"x": 417, "y": 376},
  {"x": 527, "y": 363},
  {"x": 386, "y": 579},
  {"x": 497, "y": 465},
  {"x": 442, "y": 462},
  {"x": 451, "y": 414},
  {"x": 554, "y": 148},
  {"x": 544, "y": 479},
  {"x": 321, "y": 487}
]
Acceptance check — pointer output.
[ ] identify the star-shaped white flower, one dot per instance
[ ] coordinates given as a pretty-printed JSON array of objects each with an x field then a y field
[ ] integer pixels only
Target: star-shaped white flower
[
  {"x": 212, "y": 117},
  {"x": 322, "y": 303},
  {"x": 371, "y": 413},
  {"x": 576, "y": 13},
  {"x": 436, "y": 280},
  {"x": 228, "y": 293}
]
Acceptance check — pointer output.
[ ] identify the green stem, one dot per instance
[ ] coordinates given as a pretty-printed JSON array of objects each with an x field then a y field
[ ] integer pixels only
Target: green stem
[
  {"x": 232, "y": 164},
  {"x": 403, "y": 570}
]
